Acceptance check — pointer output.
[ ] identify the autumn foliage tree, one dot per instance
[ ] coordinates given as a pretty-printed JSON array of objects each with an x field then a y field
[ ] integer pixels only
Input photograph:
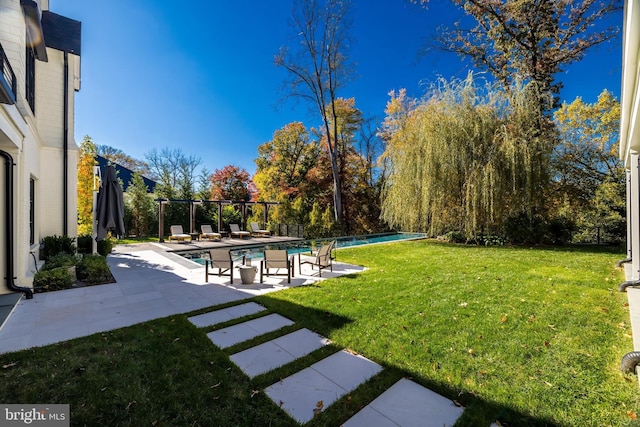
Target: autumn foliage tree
[
  {"x": 319, "y": 67},
  {"x": 86, "y": 163},
  {"x": 284, "y": 162},
  {"x": 230, "y": 183},
  {"x": 530, "y": 40},
  {"x": 589, "y": 178}
]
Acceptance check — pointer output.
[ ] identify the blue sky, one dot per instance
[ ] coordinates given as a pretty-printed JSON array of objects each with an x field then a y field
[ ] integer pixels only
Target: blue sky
[{"x": 200, "y": 77}]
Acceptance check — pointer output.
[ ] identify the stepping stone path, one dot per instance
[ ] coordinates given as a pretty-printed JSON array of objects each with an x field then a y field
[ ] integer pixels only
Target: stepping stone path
[{"x": 312, "y": 389}]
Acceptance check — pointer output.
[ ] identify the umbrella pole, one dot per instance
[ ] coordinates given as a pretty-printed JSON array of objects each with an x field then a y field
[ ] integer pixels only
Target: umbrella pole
[
  {"x": 97, "y": 177},
  {"x": 94, "y": 232}
]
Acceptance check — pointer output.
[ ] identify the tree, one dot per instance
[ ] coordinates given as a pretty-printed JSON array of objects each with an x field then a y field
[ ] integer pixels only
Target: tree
[
  {"x": 140, "y": 207},
  {"x": 86, "y": 184},
  {"x": 587, "y": 154},
  {"x": 588, "y": 174},
  {"x": 174, "y": 172},
  {"x": 284, "y": 162},
  {"x": 465, "y": 158},
  {"x": 320, "y": 68},
  {"x": 118, "y": 156},
  {"x": 230, "y": 183},
  {"x": 532, "y": 40}
]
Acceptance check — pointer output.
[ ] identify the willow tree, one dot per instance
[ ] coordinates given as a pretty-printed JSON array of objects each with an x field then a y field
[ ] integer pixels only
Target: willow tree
[
  {"x": 319, "y": 68},
  {"x": 464, "y": 158}
]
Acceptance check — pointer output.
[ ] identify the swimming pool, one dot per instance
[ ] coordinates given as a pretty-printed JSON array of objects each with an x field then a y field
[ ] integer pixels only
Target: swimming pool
[{"x": 257, "y": 252}]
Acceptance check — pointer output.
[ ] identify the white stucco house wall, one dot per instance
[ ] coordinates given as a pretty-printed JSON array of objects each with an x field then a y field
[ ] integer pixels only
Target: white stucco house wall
[{"x": 40, "y": 64}]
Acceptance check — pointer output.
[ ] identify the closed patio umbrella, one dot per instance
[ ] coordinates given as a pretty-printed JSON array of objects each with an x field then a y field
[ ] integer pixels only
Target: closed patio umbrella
[{"x": 110, "y": 206}]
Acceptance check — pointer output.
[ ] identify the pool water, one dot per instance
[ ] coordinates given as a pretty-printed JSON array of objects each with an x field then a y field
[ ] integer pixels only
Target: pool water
[{"x": 306, "y": 245}]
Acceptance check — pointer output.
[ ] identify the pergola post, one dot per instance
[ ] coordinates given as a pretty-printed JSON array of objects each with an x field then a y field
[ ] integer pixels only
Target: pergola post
[
  {"x": 219, "y": 216},
  {"x": 161, "y": 220}
]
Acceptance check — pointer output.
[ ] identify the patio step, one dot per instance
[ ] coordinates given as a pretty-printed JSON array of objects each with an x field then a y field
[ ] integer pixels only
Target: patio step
[
  {"x": 226, "y": 314},
  {"x": 407, "y": 404},
  {"x": 250, "y": 329},
  {"x": 309, "y": 391},
  {"x": 313, "y": 389},
  {"x": 278, "y": 352}
]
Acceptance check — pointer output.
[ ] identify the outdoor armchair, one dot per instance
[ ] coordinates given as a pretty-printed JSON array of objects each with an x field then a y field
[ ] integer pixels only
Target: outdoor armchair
[
  {"x": 322, "y": 259},
  {"x": 277, "y": 259},
  {"x": 220, "y": 259},
  {"x": 258, "y": 232},
  {"x": 178, "y": 234},
  {"x": 234, "y": 230},
  {"x": 208, "y": 233}
]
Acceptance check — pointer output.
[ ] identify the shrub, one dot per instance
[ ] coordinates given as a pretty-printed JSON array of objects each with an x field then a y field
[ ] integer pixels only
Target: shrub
[
  {"x": 93, "y": 270},
  {"x": 454, "y": 237},
  {"x": 54, "y": 245},
  {"x": 60, "y": 260},
  {"x": 490, "y": 240},
  {"x": 53, "y": 280},
  {"x": 106, "y": 246},
  {"x": 560, "y": 230},
  {"x": 85, "y": 244},
  {"x": 524, "y": 228}
]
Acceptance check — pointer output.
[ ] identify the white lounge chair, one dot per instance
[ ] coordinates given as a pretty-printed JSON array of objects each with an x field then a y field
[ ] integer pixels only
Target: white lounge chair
[
  {"x": 234, "y": 230},
  {"x": 177, "y": 233},
  {"x": 258, "y": 232},
  {"x": 208, "y": 233}
]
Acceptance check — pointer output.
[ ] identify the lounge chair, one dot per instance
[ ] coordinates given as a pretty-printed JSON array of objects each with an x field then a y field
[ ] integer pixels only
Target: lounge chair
[
  {"x": 177, "y": 233},
  {"x": 258, "y": 232},
  {"x": 278, "y": 259},
  {"x": 220, "y": 259},
  {"x": 234, "y": 230},
  {"x": 322, "y": 259},
  {"x": 208, "y": 233}
]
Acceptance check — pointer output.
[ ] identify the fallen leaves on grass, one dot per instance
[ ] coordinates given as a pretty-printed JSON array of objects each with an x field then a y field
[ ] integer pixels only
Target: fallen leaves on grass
[
  {"x": 632, "y": 415},
  {"x": 318, "y": 408},
  {"x": 504, "y": 318}
]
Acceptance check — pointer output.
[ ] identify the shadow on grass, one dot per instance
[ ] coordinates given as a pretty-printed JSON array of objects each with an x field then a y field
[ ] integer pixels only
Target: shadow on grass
[{"x": 478, "y": 411}]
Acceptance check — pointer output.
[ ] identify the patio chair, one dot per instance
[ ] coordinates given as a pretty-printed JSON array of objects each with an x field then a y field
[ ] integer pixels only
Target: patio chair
[
  {"x": 177, "y": 233},
  {"x": 234, "y": 230},
  {"x": 322, "y": 259},
  {"x": 220, "y": 259},
  {"x": 276, "y": 259},
  {"x": 258, "y": 232},
  {"x": 208, "y": 233}
]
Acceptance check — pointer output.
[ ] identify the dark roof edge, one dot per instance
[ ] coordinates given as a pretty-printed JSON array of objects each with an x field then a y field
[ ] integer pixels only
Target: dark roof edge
[{"x": 62, "y": 33}]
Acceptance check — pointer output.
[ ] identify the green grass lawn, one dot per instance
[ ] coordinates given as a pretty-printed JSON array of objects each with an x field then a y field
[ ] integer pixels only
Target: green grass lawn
[{"x": 523, "y": 336}]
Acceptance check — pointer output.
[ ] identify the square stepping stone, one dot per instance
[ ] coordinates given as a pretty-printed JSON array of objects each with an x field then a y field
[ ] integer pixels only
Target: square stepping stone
[
  {"x": 325, "y": 381},
  {"x": 244, "y": 331},
  {"x": 406, "y": 404},
  {"x": 226, "y": 314},
  {"x": 278, "y": 352}
]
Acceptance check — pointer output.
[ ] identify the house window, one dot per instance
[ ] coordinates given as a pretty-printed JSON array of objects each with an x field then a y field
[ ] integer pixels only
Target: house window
[
  {"x": 32, "y": 211},
  {"x": 30, "y": 83}
]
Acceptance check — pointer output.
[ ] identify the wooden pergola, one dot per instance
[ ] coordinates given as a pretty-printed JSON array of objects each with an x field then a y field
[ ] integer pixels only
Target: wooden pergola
[{"x": 192, "y": 212}]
